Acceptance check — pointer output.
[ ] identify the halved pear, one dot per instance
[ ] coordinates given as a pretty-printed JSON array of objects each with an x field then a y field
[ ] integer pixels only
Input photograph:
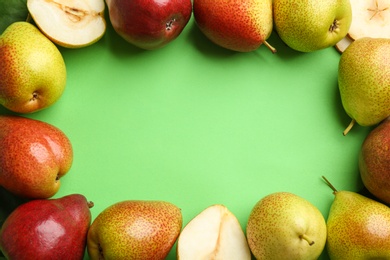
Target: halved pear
[
  {"x": 213, "y": 234},
  {"x": 343, "y": 44},
  {"x": 370, "y": 18},
  {"x": 69, "y": 23}
]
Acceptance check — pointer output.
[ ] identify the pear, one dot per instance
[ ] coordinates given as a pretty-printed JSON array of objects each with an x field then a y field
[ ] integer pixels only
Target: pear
[
  {"x": 310, "y": 25},
  {"x": 32, "y": 71},
  {"x": 47, "y": 229},
  {"x": 283, "y": 225},
  {"x": 358, "y": 227},
  {"x": 215, "y": 233},
  {"x": 374, "y": 161},
  {"x": 364, "y": 82},
  {"x": 241, "y": 25},
  {"x": 34, "y": 155},
  {"x": 69, "y": 23},
  {"x": 134, "y": 229},
  {"x": 369, "y": 19}
]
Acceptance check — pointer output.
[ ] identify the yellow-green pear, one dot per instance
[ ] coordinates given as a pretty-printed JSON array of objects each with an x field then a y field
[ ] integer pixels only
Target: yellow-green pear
[
  {"x": 364, "y": 82},
  {"x": 134, "y": 229},
  {"x": 358, "y": 227},
  {"x": 310, "y": 25},
  {"x": 32, "y": 71},
  {"x": 283, "y": 225}
]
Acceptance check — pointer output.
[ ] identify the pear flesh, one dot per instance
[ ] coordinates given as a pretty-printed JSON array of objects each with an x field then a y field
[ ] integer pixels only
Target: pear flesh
[
  {"x": 69, "y": 23},
  {"x": 215, "y": 233},
  {"x": 363, "y": 81},
  {"x": 283, "y": 225}
]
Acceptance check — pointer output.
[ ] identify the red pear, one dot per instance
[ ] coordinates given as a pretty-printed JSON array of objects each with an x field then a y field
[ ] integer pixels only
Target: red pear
[
  {"x": 47, "y": 229},
  {"x": 34, "y": 155},
  {"x": 149, "y": 24}
]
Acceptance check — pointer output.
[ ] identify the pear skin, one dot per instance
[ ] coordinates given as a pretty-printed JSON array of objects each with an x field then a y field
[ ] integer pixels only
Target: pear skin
[
  {"x": 134, "y": 229},
  {"x": 283, "y": 225},
  {"x": 47, "y": 229},
  {"x": 364, "y": 82},
  {"x": 33, "y": 72},
  {"x": 358, "y": 227},
  {"x": 34, "y": 155},
  {"x": 235, "y": 25},
  {"x": 374, "y": 161},
  {"x": 311, "y": 25}
]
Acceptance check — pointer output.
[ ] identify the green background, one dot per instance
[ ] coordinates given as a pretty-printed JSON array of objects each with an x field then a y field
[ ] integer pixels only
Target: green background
[{"x": 197, "y": 125}]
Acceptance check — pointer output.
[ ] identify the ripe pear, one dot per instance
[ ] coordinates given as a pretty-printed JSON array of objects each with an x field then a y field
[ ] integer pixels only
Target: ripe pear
[
  {"x": 47, "y": 229},
  {"x": 215, "y": 233},
  {"x": 34, "y": 155},
  {"x": 358, "y": 227},
  {"x": 364, "y": 82},
  {"x": 235, "y": 25},
  {"x": 134, "y": 229},
  {"x": 32, "y": 71},
  {"x": 283, "y": 225},
  {"x": 374, "y": 161},
  {"x": 311, "y": 25}
]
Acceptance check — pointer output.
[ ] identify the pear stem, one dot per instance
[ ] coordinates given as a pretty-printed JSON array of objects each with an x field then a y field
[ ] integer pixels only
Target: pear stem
[
  {"x": 305, "y": 237},
  {"x": 90, "y": 204},
  {"x": 349, "y": 127},
  {"x": 329, "y": 184},
  {"x": 28, "y": 19},
  {"x": 269, "y": 46}
]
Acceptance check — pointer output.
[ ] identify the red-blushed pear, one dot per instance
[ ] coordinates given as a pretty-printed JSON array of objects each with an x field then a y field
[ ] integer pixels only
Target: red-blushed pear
[
  {"x": 235, "y": 25},
  {"x": 69, "y": 23},
  {"x": 47, "y": 229},
  {"x": 149, "y": 24},
  {"x": 134, "y": 229},
  {"x": 34, "y": 155},
  {"x": 374, "y": 161},
  {"x": 215, "y": 233},
  {"x": 32, "y": 71}
]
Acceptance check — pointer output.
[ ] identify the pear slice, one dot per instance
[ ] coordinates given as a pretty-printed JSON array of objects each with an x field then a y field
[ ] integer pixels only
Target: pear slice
[
  {"x": 69, "y": 23},
  {"x": 343, "y": 44},
  {"x": 213, "y": 234},
  {"x": 370, "y": 18}
]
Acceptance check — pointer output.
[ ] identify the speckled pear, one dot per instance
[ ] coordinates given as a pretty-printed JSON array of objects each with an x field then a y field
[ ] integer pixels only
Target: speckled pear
[
  {"x": 32, "y": 71},
  {"x": 311, "y": 25},
  {"x": 134, "y": 229},
  {"x": 358, "y": 227},
  {"x": 283, "y": 225},
  {"x": 363, "y": 81},
  {"x": 241, "y": 25}
]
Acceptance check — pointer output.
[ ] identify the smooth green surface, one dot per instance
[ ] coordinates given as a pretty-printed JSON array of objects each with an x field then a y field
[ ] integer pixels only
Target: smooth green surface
[{"x": 196, "y": 125}]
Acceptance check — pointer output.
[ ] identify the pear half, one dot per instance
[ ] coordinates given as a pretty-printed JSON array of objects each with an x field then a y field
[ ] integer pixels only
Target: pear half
[
  {"x": 213, "y": 234},
  {"x": 69, "y": 23},
  {"x": 370, "y": 18}
]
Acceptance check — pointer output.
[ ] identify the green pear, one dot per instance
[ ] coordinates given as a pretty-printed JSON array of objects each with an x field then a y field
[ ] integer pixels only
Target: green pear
[
  {"x": 47, "y": 229},
  {"x": 283, "y": 225},
  {"x": 374, "y": 161},
  {"x": 134, "y": 229},
  {"x": 34, "y": 155},
  {"x": 310, "y": 25},
  {"x": 358, "y": 227},
  {"x": 364, "y": 82},
  {"x": 32, "y": 71},
  {"x": 235, "y": 25}
]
